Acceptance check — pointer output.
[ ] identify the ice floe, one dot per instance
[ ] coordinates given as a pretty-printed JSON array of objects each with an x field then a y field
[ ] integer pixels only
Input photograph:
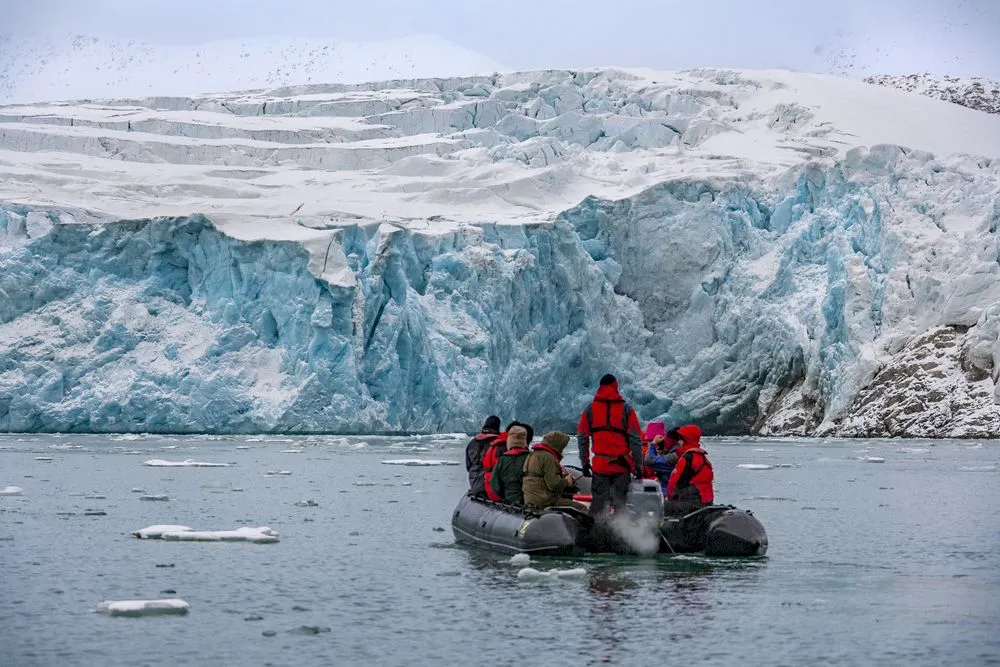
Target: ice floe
[
  {"x": 871, "y": 459},
  {"x": 43, "y": 458},
  {"x": 913, "y": 450},
  {"x": 157, "y": 531},
  {"x": 187, "y": 463},
  {"x": 520, "y": 559},
  {"x": 306, "y": 503},
  {"x": 137, "y": 489},
  {"x": 755, "y": 466},
  {"x": 292, "y": 451},
  {"x": 11, "y": 491},
  {"x": 532, "y": 574},
  {"x": 168, "y": 607},
  {"x": 261, "y": 535},
  {"x": 963, "y": 469},
  {"x": 272, "y": 473},
  {"x": 419, "y": 462},
  {"x": 155, "y": 496}
]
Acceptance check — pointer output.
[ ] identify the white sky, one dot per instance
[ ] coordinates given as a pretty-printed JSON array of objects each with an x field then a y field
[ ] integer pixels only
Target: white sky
[{"x": 853, "y": 37}]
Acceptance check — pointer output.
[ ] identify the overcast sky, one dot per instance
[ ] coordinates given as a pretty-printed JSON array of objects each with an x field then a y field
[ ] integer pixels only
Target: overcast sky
[{"x": 940, "y": 36}]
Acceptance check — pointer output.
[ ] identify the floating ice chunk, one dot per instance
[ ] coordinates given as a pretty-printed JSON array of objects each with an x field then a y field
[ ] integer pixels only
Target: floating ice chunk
[
  {"x": 137, "y": 489},
  {"x": 419, "y": 462},
  {"x": 307, "y": 503},
  {"x": 763, "y": 449},
  {"x": 157, "y": 531},
  {"x": 913, "y": 450},
  {"x": 187, "y": 463},
  {"x": 278, "y": 472},
  {"x": 65, "y": 447},
  {"x": 261, "y": 535},
  {"x": 158, "y": 496},
  {"x": 531, "y": 573},
  {"x": 963, "y": 469},
  {"x": 292, "y": 451},
  {"x": 872, "y": 459},
  {"x": 11, "y": 491},
  {"x": 43, "y": 458},
  {"x": 243, "y": 447},
  {"x": 520, "y": 559},
  {"x": 168, "y": 607},
  {"x": 755, "y": 466}
]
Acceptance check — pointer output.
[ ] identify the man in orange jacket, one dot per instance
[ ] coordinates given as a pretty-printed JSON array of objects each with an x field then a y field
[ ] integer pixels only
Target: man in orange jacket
[
  {"x": 690, "y": 484},
  {"x": 613, "y": 426}
]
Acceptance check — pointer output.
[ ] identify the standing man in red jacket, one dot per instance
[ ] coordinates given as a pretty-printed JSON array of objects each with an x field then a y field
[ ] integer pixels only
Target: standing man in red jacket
[{"x": 612, "y": 425}]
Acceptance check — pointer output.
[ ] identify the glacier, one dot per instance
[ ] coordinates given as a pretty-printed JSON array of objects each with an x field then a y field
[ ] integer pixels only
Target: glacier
[{"x": 760, "y": 252}]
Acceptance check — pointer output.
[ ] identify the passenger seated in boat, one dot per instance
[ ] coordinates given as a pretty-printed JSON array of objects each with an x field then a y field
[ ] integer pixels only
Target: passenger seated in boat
[
  {"x": 493, "y": 453},
  {"x": 661, "y": 457},
  {"x": 505, "y": 481},
  {"x": 690, "y": 484},
  {"x": 545, "y": 480},
  {"x": 474, "y": 452}
]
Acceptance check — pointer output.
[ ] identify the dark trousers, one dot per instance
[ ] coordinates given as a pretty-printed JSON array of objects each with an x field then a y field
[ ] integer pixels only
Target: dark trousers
[{"x": 605, "y": 489}]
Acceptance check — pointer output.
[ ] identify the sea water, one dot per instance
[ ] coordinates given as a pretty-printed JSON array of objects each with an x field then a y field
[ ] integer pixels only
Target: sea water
[{"x": 894, "y": 562}]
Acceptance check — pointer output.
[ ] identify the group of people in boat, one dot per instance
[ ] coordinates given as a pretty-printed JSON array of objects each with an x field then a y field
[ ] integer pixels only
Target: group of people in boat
[{"x": 504, "y": 466}]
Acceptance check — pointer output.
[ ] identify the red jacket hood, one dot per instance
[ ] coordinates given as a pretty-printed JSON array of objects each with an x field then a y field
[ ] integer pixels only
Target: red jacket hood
[{"x": 608, "y": 392}]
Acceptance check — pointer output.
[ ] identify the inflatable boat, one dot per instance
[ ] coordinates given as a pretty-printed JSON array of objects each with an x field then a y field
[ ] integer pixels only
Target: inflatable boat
[{"x": 715, "y": 530}]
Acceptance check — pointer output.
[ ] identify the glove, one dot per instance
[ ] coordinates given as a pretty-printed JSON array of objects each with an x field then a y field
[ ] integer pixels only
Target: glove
[{"x": 586, "y": 470}]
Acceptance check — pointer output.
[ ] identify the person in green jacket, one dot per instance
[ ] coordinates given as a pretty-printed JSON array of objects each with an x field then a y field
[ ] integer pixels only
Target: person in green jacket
[
  {"x": 509, "y": 469},
  {"x": 545, "y": 480}
]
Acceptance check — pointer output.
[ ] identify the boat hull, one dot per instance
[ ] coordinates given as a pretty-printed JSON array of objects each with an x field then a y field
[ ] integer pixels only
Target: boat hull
[
  {"x": 715, "y": 530},
  {"x": 509, "y": 529}
]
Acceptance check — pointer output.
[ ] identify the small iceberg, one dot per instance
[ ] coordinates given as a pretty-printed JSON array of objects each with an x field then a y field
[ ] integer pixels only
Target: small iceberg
[
  {"x": 419, "y": 462},
  {"x": 136, "y": 608},
  {"x": 261, "y": 535},
  {"x": 43, "y": 458},
  {"x": 11, "y": 491},
  {"x": 520, "y": 559},
  {"x": 187, "y": 463},
  {"x": 156, "y": 496},
  {"x": 278, "y": 472},
  {"x": 531, "y": 573},
  {"x": 962, "y": 468},
  {"x": 291, "y": 451},
  {"x": 755, "y": 466},
  {"x": 871, "y": 459},
  {"x": 306, "y": 503},
  {"x": 156, "y": 532}
]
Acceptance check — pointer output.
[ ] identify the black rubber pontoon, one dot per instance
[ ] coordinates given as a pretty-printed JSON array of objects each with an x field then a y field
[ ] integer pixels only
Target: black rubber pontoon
[
  {"x": 716, "y": 530},
  {"x": 501, "y": 527}
]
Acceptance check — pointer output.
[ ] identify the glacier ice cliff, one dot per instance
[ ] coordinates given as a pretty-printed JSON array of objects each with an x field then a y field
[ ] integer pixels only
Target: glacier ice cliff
[{"x": 411, "y": 256}]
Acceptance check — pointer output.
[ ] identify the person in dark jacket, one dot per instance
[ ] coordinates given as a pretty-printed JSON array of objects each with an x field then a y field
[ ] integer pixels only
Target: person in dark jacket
[
  {"x": 613, "y": 426},
  {"x": 474, "y": 452},
  {"x": 545, "y": 480},
  {"x": 505, "y": 482},
  {"x": 661, "y": 457}
]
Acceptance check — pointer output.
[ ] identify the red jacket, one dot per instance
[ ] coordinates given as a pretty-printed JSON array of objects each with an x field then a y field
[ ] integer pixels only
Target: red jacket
[
  {"x": 614, "y": 428},
  {"x": 691, "y": 480},
  {"x": 490, "y": 458}
]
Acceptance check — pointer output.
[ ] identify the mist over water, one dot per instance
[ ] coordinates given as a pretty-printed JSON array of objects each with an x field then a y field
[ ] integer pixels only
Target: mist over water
[{"x": 890, "y": 563}]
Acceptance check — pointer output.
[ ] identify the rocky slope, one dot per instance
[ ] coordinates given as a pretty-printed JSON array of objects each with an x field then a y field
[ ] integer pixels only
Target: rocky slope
[{"x": 976, "y": 93}]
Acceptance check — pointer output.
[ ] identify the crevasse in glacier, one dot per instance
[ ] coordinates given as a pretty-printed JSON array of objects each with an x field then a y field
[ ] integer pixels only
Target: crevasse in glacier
[{"x": 498, "y": 245}]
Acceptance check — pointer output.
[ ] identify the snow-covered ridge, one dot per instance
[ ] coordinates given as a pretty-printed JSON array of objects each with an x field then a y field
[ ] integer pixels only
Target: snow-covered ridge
[
  {"x": 745, "y": 249},
  {"x": 973, "y": 92},
  {"x": 78, "y": 66}
]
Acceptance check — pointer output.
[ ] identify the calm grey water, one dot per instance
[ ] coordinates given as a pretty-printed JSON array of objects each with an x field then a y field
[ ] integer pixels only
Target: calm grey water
[{"x": 894, "y": 563}]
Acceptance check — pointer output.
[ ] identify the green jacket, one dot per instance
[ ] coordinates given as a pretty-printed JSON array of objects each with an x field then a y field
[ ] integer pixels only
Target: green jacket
[
  {"x": 507, "y": 475},
  {"x": 544, "y": 481}
]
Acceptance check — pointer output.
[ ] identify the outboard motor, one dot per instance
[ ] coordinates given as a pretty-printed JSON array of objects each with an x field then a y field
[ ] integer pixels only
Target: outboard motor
[{"x": 645, "y": 500}]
